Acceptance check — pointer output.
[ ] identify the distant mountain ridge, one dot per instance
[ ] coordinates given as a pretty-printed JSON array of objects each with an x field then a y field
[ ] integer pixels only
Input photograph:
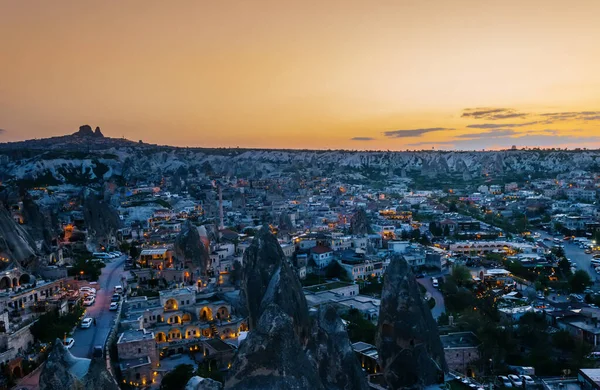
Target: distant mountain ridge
[{"x": 88, "y": 156}]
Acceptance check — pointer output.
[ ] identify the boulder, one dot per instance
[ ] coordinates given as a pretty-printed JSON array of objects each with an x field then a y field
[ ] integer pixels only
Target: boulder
[{"x": 410, "y": 351}]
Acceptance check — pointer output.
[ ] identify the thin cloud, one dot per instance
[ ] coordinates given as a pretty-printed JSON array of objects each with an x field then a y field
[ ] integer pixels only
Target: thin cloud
[
  {"x": 506, "y": 133},
  {"x": 499, "y": 125},
  {"x": 492, "y": 113},
  {"x": 362, "y": 139},
  {"x": 551, "y": 117},
  {"x": 426, "y": 143},
  {"x": 498, "y": 133},
  {"x": 2, "y": 131},
  {"x": 412, "y": 132}
]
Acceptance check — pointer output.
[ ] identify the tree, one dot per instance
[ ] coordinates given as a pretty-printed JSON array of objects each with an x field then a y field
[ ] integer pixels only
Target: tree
[
  {"x": 580, "y": 281},
  {"x": 134, "y": 251},
  {"x": 359, "y": 328},
  {"x": 236, "y": 272},
  {"x": 415, "y": 234},
  {"x": 446, "y": 230},
  {"x": 461, "y": 275},
  {"x": 564, "y": 267},
  {"x": 177, "y": 378}
]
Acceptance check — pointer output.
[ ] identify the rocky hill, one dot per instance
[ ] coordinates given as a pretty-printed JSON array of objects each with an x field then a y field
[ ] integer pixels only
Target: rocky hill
[{"x": 88, "y": 156}]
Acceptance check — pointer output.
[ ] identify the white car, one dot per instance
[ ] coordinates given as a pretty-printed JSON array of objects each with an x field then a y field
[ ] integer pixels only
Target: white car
[
  {"x": 89, "y": 301},
  {"x": 113, "y": 306},
  {"x": 515, "y": 380},
  {"x": 504, "y": 381},
  {"x": 87, "y": 290},
  {"x": 86, "y": 323},
  {"x": 527, "y": 380},
  {"x": 69, "y": 342}
]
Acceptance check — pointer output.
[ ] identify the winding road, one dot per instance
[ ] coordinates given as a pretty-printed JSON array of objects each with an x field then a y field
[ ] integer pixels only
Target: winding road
[{"x": 86, "y": 339}]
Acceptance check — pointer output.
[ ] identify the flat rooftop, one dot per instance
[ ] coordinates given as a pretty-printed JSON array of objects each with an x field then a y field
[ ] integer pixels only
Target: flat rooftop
[
  {"x": 134, "y": 335},
  {"x": 366, "y": 349},
  {"x": 219, "y": 345},
  {"x": 176, "y": 292},
  {"x": 460, "y": 340},
  {"x": 148, "y": 252},
  {"x": 327, "y": 286},
  {"x": 132, "y": 363}
]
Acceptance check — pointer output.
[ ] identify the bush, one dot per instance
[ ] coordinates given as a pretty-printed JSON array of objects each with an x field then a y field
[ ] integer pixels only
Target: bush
[
  {"x": 178, "y": 378},
  {"x": 359, "y": 329},
  {"x": 51, "y": 326}
]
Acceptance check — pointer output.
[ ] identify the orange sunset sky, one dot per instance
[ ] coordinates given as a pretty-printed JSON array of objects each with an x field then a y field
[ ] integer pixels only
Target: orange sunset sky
[{"x": 460, "y": 74}]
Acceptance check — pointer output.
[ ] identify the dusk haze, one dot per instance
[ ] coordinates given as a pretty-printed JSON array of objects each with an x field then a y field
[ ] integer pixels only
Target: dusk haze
[{"x": 329, "y": 75}]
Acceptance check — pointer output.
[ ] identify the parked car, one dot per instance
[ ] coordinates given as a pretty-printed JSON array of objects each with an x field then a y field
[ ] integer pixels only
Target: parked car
[
  {"x": 86, "y": 322},
  {"x": 87, "y": 290},
  {"x": 527, "y": 380},
  {"x": 515, "y": 380},
  {"x": 113, "y": 306},
  {"x": 69, "y": 342},
  {"x": 115, "y": 298},
  {"x": 89, "y": 300},
  {"x": 577, "y": 297},
  {"x": 504, "y": 381},
  {"x": 98, "y": 351}
]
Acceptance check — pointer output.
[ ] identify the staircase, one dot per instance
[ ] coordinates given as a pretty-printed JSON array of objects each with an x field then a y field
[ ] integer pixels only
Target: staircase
[{"x": 213, "y": 328}]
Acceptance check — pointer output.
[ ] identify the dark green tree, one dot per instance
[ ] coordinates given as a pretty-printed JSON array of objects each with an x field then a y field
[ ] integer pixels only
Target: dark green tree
[
  {"x": 177, "y": 378},
  {"x": 580, "y": 281}
]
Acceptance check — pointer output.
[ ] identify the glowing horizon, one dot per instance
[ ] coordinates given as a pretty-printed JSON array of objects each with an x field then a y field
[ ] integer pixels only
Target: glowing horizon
[{"x": 391, "y": 75}]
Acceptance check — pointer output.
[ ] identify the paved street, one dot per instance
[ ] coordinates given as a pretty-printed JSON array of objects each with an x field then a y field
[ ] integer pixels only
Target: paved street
[
  {"x": 86, "y": 339},
  {"x": 440, "y": 307},
  {"x": 574, "y": 253}
]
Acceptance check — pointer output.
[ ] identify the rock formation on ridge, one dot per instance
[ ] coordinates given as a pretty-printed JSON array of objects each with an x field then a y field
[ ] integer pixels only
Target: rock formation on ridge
[{"x": 410, "y": 351}]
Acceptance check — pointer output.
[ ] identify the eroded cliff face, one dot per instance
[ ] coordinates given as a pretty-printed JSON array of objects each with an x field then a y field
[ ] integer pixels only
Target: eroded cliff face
[
  {"x": 411, "y": 354},
  {"x": 286, "y": 347},
  {"x": 262, "y": 260},
  {"x": 100, "y": 218},
  {"x": 15, "y": 241},
  {"x": 331, "y": 351},
  {"x": 190, "y": 249}
]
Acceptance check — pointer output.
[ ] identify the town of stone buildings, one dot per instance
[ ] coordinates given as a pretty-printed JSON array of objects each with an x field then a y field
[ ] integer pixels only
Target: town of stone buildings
[{"x": 228, "y": 275}]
